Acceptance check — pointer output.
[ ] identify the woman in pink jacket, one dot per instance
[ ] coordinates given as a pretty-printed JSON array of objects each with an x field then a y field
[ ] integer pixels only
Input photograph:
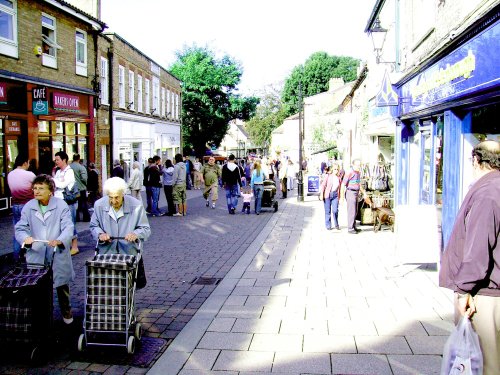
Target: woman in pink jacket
[{"x": 329, "y": 194}]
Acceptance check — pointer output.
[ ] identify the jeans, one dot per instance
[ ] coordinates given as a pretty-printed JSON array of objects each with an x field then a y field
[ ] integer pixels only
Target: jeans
[
  {"x": 149, "y": 198},
  {"x": 332, "y": 207},
  {"x": 72, "y": 209},
  {"x": 232, "y": 197},
  {"x": 258, "y": 191},
  {"x": 156, "y": 198},
  {"x": 16, "y": 216}
]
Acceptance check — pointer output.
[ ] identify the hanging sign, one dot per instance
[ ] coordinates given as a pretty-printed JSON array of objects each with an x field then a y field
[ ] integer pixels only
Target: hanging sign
[
  {"x": 3, "y": 93},
  {"x": 40, "y": 101}
]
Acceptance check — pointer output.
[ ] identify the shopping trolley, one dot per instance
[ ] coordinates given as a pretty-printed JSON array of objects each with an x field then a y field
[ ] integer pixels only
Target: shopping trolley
[
  {"x": 26, "y": 304},
  {"x": 109, "y": 318}
]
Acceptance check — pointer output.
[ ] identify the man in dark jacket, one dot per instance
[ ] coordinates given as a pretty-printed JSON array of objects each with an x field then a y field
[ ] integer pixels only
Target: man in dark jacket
[
  {"x": 147, "y": 185},
  {"x": 231, "y": 179},
  {"x": 155, "y": 183},
  {"x": 470, "y": 266}
]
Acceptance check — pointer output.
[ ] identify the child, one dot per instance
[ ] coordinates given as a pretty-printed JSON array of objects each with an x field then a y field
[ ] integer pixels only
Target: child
[{"x": 247, "y": 198}]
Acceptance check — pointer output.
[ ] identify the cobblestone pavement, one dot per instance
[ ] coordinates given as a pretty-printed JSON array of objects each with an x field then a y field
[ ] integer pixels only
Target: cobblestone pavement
[{"x": 204, "y": 244}]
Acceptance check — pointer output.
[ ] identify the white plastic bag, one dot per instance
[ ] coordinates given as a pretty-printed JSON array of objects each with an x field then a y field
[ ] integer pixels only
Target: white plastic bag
[{"x": 462, "y": 353}]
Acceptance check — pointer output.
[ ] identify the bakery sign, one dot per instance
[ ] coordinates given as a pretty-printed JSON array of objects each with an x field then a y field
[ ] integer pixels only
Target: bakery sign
[
  {"x": 65, "y": 102},
  {"x": 3, "y": 93},
  {"x": 40, "y": 101}
]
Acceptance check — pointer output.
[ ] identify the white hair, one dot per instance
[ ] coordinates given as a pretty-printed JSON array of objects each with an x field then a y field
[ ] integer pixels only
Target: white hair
[
  {"x": 135, "y": 165},
  {"x": 114, "y": 185}
]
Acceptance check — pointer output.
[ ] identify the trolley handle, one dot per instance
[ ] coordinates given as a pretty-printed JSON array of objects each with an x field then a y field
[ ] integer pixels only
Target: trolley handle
[
  {"x": 137, "y": 241},
  {"x": 25, "y": 247}
]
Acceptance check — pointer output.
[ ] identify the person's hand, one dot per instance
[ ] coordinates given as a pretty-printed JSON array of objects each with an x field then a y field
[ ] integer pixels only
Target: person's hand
[
  {"x": 54, "y": 243},
  {"x": 103, "y": 237},
  {"x": 28, "y": 241},
  {"x": 466, "y": 305},
  {"x": 321, "y": 196},
  {"x": 131, "y": 237}
]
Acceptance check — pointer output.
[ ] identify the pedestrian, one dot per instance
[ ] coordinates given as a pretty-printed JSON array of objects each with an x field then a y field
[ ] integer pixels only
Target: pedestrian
[
  {"x": 117, "y": 170},
  {"x": 81, "y": 178},
  {"x": 168, "y": 186},
  {"x": 231, "y": 179},
  {"x": 135, "y": 181},
  {"x": 247, "y": 199},
  {"x": 147, "y": 186},
  {"x": 20, "y": 181},
  {"x": 284, "y": 180},
  {"x": 291, "y": 172},
  {"x": 248, "y": 172},
  {"x": 65, "y": 178},
  {"x": 118, "y": 215},
  {"x": 350, "y": 191},
  {"x": 210, "y": 174},
  {"x": 48, "y": 218},
  {"x": 179, "y": 189},
  {"x": 33, "y": 167},
  {"x": 257, "y": 184},
  {"x": 241, "y": 165},
  {"x": 155, "y": 183},
  {"x": 93, "y": 184},
  {"x": 271, "y": 170},
  {"x": 470, "y": 265},
  {"x": 197, "y": 174},
  {"x": 189, "y": 170},
  {"x": 329, "y": 193}
]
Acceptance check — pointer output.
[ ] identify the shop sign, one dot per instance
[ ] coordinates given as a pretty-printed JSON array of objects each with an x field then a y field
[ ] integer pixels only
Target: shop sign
[
  {"x": 312, "y": 184},
  {"x": 3, "y": 93},
  {"x": 66, "y": 102},
  {"x": 464, "y": 71},
  {"x": 12, "y": 127},
  {"x": 40, "y": 101}
]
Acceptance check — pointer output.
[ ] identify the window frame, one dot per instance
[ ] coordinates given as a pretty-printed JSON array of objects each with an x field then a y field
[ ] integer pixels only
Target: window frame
[
  {"x": 156, "y": 96},
  {"x": 48, "y": 59},
  {"x": 104, "y": 81},
  {"x": 131, "y": 86},
  {"x": 163, "y": 102},
  {"x": 139, "y": 93},
  {"x": 81, "y": 67},
  {"x": 147, "y": 96},
  {"x": 10, "y": 47}
]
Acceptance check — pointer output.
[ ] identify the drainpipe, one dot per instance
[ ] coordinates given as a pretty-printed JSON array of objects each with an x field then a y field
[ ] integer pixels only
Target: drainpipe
[
  {"x": 397, "y": 30},
  {"x": 110, "y": 98}
]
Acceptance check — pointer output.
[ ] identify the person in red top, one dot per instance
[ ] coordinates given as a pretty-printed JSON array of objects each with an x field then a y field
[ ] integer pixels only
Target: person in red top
[
  {"x": 19, "y": 181},
  {"x": 329, "y": 194},
  {"x": 470, "y": 265}
]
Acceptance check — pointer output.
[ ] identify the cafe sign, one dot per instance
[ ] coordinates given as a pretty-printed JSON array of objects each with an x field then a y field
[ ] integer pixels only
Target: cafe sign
[
  {"x": 40, "y": 102},
  {"x": 65, "y": 102}
]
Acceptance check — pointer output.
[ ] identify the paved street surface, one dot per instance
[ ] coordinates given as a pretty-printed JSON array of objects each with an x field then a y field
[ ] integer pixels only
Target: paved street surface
[{"x": 288, "y": 297}]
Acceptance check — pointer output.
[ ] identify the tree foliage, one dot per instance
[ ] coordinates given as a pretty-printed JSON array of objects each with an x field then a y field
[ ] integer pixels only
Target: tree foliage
[
  {"x": 209, "y": 100},
  {"x": 269, "y": 115},
  {"x": 312, "y": 78}
]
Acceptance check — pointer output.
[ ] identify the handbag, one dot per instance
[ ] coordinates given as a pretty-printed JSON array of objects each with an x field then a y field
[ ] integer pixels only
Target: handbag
[
  {"x": 462, "y": 353},
  {"x": 72, "y": 195},
  {"x": 141, "y": 281}
]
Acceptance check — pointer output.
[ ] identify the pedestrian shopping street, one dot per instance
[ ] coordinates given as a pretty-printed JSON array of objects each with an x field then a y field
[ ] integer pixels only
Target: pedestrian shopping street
[{"x": 287, "y": 297}]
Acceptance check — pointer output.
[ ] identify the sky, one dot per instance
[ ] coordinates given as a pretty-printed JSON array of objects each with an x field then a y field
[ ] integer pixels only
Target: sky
[{"x": 268, "y": 37}]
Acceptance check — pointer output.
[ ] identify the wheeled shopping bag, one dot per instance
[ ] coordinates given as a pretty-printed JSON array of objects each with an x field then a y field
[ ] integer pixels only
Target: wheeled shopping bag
[
  {"x": 26, "y": 306},
  {"x": 269, "y": 194},
  {"x": 109, "y": 318}
]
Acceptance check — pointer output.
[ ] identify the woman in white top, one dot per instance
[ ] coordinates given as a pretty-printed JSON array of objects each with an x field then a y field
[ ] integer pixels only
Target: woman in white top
[{"x": 65, "y": 178}]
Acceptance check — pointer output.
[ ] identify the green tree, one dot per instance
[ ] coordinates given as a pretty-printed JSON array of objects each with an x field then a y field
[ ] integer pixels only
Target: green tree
[
  {"x": 269, "y": 115},
  {"x": 312, "y": 78},
  {"x": 209, "y": 100}
]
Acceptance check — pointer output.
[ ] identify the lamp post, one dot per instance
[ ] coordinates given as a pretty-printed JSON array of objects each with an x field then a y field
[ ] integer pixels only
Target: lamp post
[{"x": 300, "y": 178}]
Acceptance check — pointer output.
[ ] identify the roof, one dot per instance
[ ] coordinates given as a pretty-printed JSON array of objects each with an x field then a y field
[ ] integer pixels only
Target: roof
[{"x": 71, "y": 9}]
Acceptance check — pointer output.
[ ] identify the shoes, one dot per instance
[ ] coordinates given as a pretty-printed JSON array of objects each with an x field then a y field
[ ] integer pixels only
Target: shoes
[
  {"x": 148, "y": 212},
  {"x": 357, "y": 230},
  {"x": 257, "y": 213},
  {"x": 177, "y": 214},
  {"x": 232, "y": 210},
  {"x": 352, "y": 231},
  {"x": 213, "y": 205},
  {"x": 207, "y": 204},
  {"x": 329, "y": 228},
  {"x": 337, "y": 228},
  {"x": 68, "y": 318},
  {"x": 74, "y": 252}
]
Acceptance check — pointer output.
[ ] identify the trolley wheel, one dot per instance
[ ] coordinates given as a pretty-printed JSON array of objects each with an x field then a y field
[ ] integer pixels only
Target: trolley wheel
[
  {"x": 138, "y": 331},
  {"x": 131, "y": 345},
  {"x": 275, "y": 206},
  {"x": 81, "y": 343}
]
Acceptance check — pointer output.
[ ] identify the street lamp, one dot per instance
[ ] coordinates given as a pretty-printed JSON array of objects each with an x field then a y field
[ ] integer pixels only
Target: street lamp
[
  {"x": 378, "y": 34},
  {"x": 300, "y": 177}
]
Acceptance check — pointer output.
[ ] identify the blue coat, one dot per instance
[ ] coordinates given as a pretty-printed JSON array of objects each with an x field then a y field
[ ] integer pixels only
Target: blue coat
[
  {"x": 56, "y": 224},
  {"x": 134, "y": 219}
]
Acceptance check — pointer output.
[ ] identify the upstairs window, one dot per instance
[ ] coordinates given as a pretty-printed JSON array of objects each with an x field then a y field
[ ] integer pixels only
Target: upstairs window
[
  {"x": 131, "y": 104},
  {"x": 8, "y": 28},
  {"x": 49, "y": 41},
  {"x": 104, "y": 81},
  {"x": 139, "y": 93},
  {"x": 121, "y": 86},
  {"x": 156, "y": 96},
  {"x": 81, "y": 52},
  {"x": 163, "y": 101},
  {"x": 147, "y": 97}
]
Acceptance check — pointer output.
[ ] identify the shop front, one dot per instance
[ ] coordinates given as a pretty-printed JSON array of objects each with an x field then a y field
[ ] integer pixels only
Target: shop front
[
  {"x": 446, "y": 109},
  {"x": 39, "y": 121}
]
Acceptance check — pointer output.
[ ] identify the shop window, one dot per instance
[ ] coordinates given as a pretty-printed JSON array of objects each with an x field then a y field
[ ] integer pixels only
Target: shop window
[
  {"x": 43, "y": 127},
  {"x": 70, "y": 128},
  {"x": 71, "y": 147},
  {"x": 8, "y": 28},
  {"x": 49, "y": 41},
  {"x": 81, "y": 52},
  {"x": 82, "y": 129},
  {"x": 59, "y": 127}
]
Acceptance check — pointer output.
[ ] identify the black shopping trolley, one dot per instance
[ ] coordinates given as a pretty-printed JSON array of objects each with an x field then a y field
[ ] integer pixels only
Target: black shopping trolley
[
  {"x": 26, "y": 305},
  {"x": 109, "y": 318}
]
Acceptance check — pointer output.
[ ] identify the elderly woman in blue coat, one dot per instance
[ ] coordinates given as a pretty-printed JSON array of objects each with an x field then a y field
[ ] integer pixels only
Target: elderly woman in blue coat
[
  {"x": 118, "y": 215},
  {"x": 49, "y": 219}
]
